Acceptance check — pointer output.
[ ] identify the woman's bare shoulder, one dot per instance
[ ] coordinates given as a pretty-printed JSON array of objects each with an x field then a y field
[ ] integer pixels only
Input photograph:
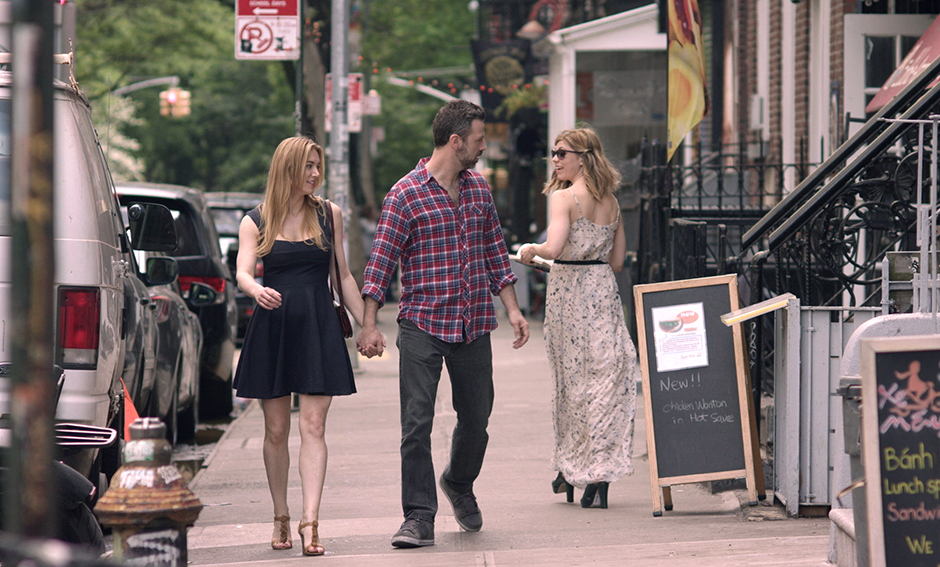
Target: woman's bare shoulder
[
  {"x": 564, "y": 196},
  {"x": 611, "y": 200}
]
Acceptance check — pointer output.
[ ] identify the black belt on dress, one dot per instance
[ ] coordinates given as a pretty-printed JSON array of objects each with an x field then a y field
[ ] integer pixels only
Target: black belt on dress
[{"x": 582, "y": 262}]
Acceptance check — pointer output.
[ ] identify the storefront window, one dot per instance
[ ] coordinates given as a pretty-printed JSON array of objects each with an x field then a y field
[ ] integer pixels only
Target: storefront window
[
  {"x": 883, "y": 54},
  {"x": 622, "y": 95}
]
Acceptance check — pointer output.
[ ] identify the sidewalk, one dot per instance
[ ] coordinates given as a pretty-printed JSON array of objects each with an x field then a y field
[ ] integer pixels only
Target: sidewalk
[{"x": 524, "y": 523}]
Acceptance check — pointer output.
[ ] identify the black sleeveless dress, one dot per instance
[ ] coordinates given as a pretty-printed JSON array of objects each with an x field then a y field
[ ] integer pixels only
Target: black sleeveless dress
[{"x": 298, "y": 347}]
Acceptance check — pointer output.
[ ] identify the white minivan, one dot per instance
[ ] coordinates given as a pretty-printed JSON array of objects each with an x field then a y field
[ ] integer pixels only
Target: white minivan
[{"x": 103, "y": 325}]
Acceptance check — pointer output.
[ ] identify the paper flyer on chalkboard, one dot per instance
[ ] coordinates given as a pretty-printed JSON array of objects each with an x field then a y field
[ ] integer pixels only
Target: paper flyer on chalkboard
[{"x": 679, "y": 335}]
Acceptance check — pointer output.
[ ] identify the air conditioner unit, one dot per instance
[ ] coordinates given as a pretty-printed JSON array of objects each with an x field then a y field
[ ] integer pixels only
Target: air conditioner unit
[{"x": 757, "y": 117}]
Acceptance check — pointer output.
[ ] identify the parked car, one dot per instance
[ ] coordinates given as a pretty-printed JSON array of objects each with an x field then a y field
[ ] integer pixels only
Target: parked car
[
  {"x": 175, "y": 400},
  {"x": 173, "y": 394},
  {"x": 96, "y": 309},
  {"x": 140, "y": 326},
  {"x": 168, "y": 386},
  {"x": 199, "y": 258},
  {"x": 228, "y": 209}
]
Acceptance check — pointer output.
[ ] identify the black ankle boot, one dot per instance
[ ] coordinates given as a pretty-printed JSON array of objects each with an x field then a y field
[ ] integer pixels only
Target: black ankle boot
[
  {"x": 560, "y": 484},
  {"x": 587, "y": 499},
  {"x": 595, "y": 495},
  {"x": 602, "y": 493}
]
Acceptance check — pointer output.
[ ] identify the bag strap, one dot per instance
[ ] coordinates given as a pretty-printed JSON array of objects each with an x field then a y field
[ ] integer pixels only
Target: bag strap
[{"x": 329, "y": 212}]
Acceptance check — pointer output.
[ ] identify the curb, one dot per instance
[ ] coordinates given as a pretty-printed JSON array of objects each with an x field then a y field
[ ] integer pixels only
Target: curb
[{"x": 252, "y": 406}]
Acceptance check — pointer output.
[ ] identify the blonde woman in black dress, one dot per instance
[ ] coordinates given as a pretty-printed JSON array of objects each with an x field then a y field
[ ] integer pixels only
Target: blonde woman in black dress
[
  {"x": 294, "y": 342},
  {"x": 593, "y": 359}
]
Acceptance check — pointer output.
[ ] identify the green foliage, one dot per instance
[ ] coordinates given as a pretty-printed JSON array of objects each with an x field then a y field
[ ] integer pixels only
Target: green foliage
[
  {"x": 247, "y": 109},
  {"x": 406, "y": 118},
  {"x": 418, "y": 34},
  {"x": 410, "y": 35},
  {"x": 241, "y": 110},
  {"x": 122, "y": 42},
  {"x": 118, "y": 115},
  {"x": 518, "y": 99}
]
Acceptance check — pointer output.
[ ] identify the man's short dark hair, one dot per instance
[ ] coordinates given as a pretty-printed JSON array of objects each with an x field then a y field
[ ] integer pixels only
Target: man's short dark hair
[{"x": 455, "y": 117}]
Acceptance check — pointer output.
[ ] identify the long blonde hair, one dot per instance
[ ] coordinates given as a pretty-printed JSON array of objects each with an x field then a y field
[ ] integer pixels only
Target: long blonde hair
[
  {"x": 286, "y": 172},
  {"x": 600, "y": 176}
]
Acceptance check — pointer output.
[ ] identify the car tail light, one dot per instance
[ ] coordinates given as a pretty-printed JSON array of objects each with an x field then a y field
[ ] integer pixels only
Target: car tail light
[
  {"x": 161, "y": 307},
  {"x": 259, "y": 269},
  {"x": 78, "y": 327},
  {"x": 218, "y": 284}
]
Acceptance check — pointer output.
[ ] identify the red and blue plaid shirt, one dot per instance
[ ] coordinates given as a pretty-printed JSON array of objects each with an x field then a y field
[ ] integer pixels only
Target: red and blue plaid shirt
[{"x": 453, "y": 258}]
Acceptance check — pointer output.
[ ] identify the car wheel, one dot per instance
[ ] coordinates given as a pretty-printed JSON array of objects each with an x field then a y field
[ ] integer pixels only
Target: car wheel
[
  {"x": 215, "y": 397},
  {"x": 110, "y": 457},
  {"x": 79, "y": 526},
  {"x": 98, "y": 477}
]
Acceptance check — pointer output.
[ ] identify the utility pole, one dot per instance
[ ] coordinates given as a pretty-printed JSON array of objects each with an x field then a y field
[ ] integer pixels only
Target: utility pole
[
  {"x": 28, "y": 501},
  {"x": 338, "y": 175},
  {"x": 299, "y": 75}
]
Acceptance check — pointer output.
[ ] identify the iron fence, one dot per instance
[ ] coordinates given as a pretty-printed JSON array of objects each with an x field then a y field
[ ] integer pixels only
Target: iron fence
[
  {"x": 824, "y": 241},
  {"x": 694, "y": 214}
]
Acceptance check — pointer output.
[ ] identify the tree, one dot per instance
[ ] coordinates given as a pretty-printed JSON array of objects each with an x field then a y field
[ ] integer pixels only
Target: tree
[
  {"x": 240, "y": 110},
  {"x": 117, "y": 116},
  {"x": 395, "y": 41}
]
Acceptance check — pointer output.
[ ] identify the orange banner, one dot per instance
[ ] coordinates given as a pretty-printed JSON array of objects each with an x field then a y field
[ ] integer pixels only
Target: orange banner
[{"x": 688, "y": 98}]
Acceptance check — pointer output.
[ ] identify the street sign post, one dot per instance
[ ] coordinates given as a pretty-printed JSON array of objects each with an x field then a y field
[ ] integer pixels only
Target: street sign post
[
  {"x": 355, "y": 103},
  {"x": 267, "y": 29},
  {"x": 354, "y": 106}
]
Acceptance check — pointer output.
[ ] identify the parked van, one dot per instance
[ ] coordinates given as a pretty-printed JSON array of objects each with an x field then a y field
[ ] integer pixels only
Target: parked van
[{"x": 99, "y": 299}]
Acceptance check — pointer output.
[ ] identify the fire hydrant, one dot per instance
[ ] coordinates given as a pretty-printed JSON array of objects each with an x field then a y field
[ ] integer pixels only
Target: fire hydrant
[{"x": 148, "y": 506}]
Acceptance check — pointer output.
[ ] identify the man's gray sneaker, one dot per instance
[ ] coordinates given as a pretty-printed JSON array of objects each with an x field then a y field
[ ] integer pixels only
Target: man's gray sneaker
[
  {"x": 466, "y": 511},
  {"x": 414, "y": 532}
]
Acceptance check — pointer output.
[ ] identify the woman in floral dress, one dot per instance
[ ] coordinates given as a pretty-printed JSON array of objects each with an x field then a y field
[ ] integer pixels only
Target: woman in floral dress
[{"x": 593, "y": 359}]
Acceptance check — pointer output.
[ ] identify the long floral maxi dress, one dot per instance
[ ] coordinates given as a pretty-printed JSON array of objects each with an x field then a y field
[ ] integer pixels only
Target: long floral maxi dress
[{"x": 593, "y": 360}]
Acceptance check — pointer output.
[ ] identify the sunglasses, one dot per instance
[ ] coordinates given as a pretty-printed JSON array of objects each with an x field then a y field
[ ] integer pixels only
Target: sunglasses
[{"x": 560, "y": 154}]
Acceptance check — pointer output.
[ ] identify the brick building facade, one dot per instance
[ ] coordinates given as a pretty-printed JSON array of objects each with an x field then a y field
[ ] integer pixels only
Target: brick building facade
[{"x": 788, "y": 74}]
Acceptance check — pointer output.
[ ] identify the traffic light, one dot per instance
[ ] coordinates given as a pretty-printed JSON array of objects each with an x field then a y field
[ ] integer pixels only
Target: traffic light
[
  {"x": 181, "y": 108},
  {"x": 174, "y": 102}
]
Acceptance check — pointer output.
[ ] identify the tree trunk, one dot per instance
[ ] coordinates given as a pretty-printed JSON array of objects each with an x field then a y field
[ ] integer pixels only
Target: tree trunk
[{"x": 314, "y": 90}]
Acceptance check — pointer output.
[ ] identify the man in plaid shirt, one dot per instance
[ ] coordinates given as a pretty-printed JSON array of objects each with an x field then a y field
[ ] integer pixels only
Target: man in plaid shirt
[{"x": 440, "y": 223}]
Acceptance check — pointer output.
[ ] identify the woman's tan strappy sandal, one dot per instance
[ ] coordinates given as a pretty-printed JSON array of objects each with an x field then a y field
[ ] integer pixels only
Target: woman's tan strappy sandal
[
  {"x": 314, "y": 547},
  {"x": 283, "y": 540}
]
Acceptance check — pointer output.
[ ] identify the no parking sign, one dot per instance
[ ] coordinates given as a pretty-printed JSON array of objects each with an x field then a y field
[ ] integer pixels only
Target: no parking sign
[{"x": 267, "y": 29}]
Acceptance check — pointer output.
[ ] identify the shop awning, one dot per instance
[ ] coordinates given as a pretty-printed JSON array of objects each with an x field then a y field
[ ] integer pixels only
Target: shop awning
[{"x": 924, "y": 52}]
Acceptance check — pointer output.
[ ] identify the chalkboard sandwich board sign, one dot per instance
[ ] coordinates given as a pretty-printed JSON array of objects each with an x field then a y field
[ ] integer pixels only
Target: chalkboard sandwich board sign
[
  {"x": 699, "y": 421},
  {"x": 901, "y": 449}
]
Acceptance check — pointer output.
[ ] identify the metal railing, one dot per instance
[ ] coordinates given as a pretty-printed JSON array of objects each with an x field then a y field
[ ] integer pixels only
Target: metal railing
[{"x": 694, "y": 215}]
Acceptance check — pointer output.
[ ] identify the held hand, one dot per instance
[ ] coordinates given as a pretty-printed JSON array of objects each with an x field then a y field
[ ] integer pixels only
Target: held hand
[
  {"x": 268, "y": 298},
  {"x": 521, "y": 327},
  {"x": 370, "y": 342}
]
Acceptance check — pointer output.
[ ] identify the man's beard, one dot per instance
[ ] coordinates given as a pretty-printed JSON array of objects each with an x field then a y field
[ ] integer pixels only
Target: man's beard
[{"x": 468, "y": 160}]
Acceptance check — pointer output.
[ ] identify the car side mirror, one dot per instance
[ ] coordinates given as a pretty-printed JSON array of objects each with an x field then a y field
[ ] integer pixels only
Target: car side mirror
[
  {"x": 201, "y": 295},
  {"x": 231, "y": 255},
  {"x": 160, "y": 271},
  {"x": 152, "y": 227}
]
